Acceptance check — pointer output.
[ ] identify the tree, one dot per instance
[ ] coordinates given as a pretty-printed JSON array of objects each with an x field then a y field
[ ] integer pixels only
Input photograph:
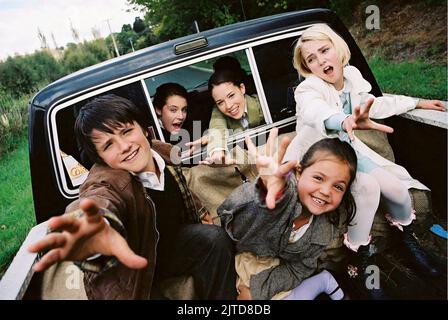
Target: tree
[
  {"x": 46, "y": 67},
  {"x": 84, "y": 55},
  {"x": 17, "y": 77},
  {"x": 139, "y": 25},
  {"x": 125, "y": 37},
  {"x": 75, "y": 33},
  {"x": 98, "y": 49},
  {"x": 174, "y": 18},
  {"x": 24, "y": 74},
  {"x": 54, "y": 42},
  {"x": 42, "y": 39}
]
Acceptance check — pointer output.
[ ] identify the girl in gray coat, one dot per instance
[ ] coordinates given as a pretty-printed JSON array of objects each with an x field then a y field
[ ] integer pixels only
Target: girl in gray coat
[{"x": 289, "y": 214}]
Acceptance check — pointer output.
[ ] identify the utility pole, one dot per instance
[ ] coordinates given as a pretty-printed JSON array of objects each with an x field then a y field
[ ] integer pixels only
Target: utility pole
[
  {"x": 242, "y": 9},
  {"x": 113, "y": 38},
  {"x": 132, "y": 45},
  {"x": 54, "y": 41},
  {"x": 196, "y": 26},
  {"x": 75, "y": 33},
  {"x": 42, "y": 39}
]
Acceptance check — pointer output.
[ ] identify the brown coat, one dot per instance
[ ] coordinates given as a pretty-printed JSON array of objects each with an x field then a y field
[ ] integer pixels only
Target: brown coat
[{"x": 132, "y": 213}]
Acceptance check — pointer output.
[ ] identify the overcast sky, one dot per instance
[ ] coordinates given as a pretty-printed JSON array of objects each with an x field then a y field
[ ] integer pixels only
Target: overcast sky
[{"x": 20, "y": 19}]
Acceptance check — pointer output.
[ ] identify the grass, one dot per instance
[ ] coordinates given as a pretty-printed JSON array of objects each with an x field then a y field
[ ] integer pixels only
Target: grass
[
  {"x": 16, "y": 202},
  {"x": 414, "y": 78}
]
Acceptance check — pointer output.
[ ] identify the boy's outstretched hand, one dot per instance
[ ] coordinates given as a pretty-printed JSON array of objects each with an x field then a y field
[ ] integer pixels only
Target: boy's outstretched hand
[
  {"x": 80, "y": 238},
  {"x": 359, "y": 120},
  {"x": 270, "y": 168}
]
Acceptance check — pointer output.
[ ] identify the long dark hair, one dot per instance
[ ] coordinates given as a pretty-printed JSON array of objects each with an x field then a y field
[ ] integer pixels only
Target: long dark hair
[
  {"x": 344, "y": 152},
  {"x": 226, "y": 69},
  {"x": 104, "y": 113}
]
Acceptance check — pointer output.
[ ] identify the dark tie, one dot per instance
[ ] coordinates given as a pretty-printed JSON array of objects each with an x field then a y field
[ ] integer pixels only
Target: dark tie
[{"x": 245, "y": 121}]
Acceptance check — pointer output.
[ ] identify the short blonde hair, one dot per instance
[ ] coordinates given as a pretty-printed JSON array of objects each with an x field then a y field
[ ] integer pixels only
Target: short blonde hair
[{"x": 319, "y": 32}]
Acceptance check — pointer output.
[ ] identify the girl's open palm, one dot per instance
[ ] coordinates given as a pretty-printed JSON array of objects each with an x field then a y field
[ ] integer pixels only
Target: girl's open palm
[
  {"x": 360, "y": 120},
  {"x": 270, "y": 168},
  {"x": 80, "y": 238}
]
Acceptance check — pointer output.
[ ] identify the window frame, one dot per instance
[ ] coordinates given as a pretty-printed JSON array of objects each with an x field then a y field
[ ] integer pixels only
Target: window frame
[{"x": 247, "y": 45}]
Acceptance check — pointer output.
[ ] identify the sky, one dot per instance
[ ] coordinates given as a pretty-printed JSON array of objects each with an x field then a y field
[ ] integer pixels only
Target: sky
[{"x": 20, "y": 20}]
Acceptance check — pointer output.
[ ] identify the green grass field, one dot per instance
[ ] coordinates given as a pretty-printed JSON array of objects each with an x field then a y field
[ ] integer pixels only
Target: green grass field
[
  {"x": 16, "y": 202},
  {"x": 414, "y": 78}
]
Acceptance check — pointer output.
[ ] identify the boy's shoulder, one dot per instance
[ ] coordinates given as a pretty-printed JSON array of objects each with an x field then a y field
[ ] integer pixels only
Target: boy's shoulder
[
  {"x": 103, "y": 174},
  {"x": 170, "y": 154}
]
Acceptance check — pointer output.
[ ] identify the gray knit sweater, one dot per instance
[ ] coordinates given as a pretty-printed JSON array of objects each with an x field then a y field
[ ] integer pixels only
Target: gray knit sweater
[{"x": 264, "y": 232}]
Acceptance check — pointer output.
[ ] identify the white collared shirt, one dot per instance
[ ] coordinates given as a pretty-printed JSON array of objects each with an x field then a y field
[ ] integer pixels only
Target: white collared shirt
[
  {"x": 149, "y": 179},
  {"x": 297, "y": 234},
  {"x": 161, "y": 123}
]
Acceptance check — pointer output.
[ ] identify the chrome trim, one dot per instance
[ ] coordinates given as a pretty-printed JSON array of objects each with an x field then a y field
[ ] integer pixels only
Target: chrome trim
[
  {"x": 190, "y": 45},
  {"x": 152, "y": 109},
  {"x": 239, "y": 137},
  {"x": 259, "y": 86}
]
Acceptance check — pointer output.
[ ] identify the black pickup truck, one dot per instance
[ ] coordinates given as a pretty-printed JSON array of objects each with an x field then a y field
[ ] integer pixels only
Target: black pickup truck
[{"x": 264, "y": 48}]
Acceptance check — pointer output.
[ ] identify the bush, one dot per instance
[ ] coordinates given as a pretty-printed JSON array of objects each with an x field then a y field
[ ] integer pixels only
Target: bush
[
  {"x": 80, "y": 56},
  {"x": 13, "y": 120},
  {"x": 48, "y": 69},
  {"x": 98, "y": 48},
  {"x": 21, "y": 75},
  {"x": 17, "y": 77}
]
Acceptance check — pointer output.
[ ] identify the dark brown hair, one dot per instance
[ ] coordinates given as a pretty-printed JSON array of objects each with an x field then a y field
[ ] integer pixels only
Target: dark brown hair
[
  {"x": 104, "y": 113},
  {"x": 166, "y": 90},
  {"x": 344, "y": 152},
  {"x": 226, "y": 72}
]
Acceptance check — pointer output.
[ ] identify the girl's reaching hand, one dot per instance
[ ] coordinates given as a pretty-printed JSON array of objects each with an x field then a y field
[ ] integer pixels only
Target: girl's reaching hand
[
  {"x": 218, "y": 158},
  {"x": 359, "y": 120},
  {"x": 431, "y": 105},
  {"x": 244, "y": 293},
  {"x": 272, "y": 171},
  {"x": 196, "y": 144}
]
